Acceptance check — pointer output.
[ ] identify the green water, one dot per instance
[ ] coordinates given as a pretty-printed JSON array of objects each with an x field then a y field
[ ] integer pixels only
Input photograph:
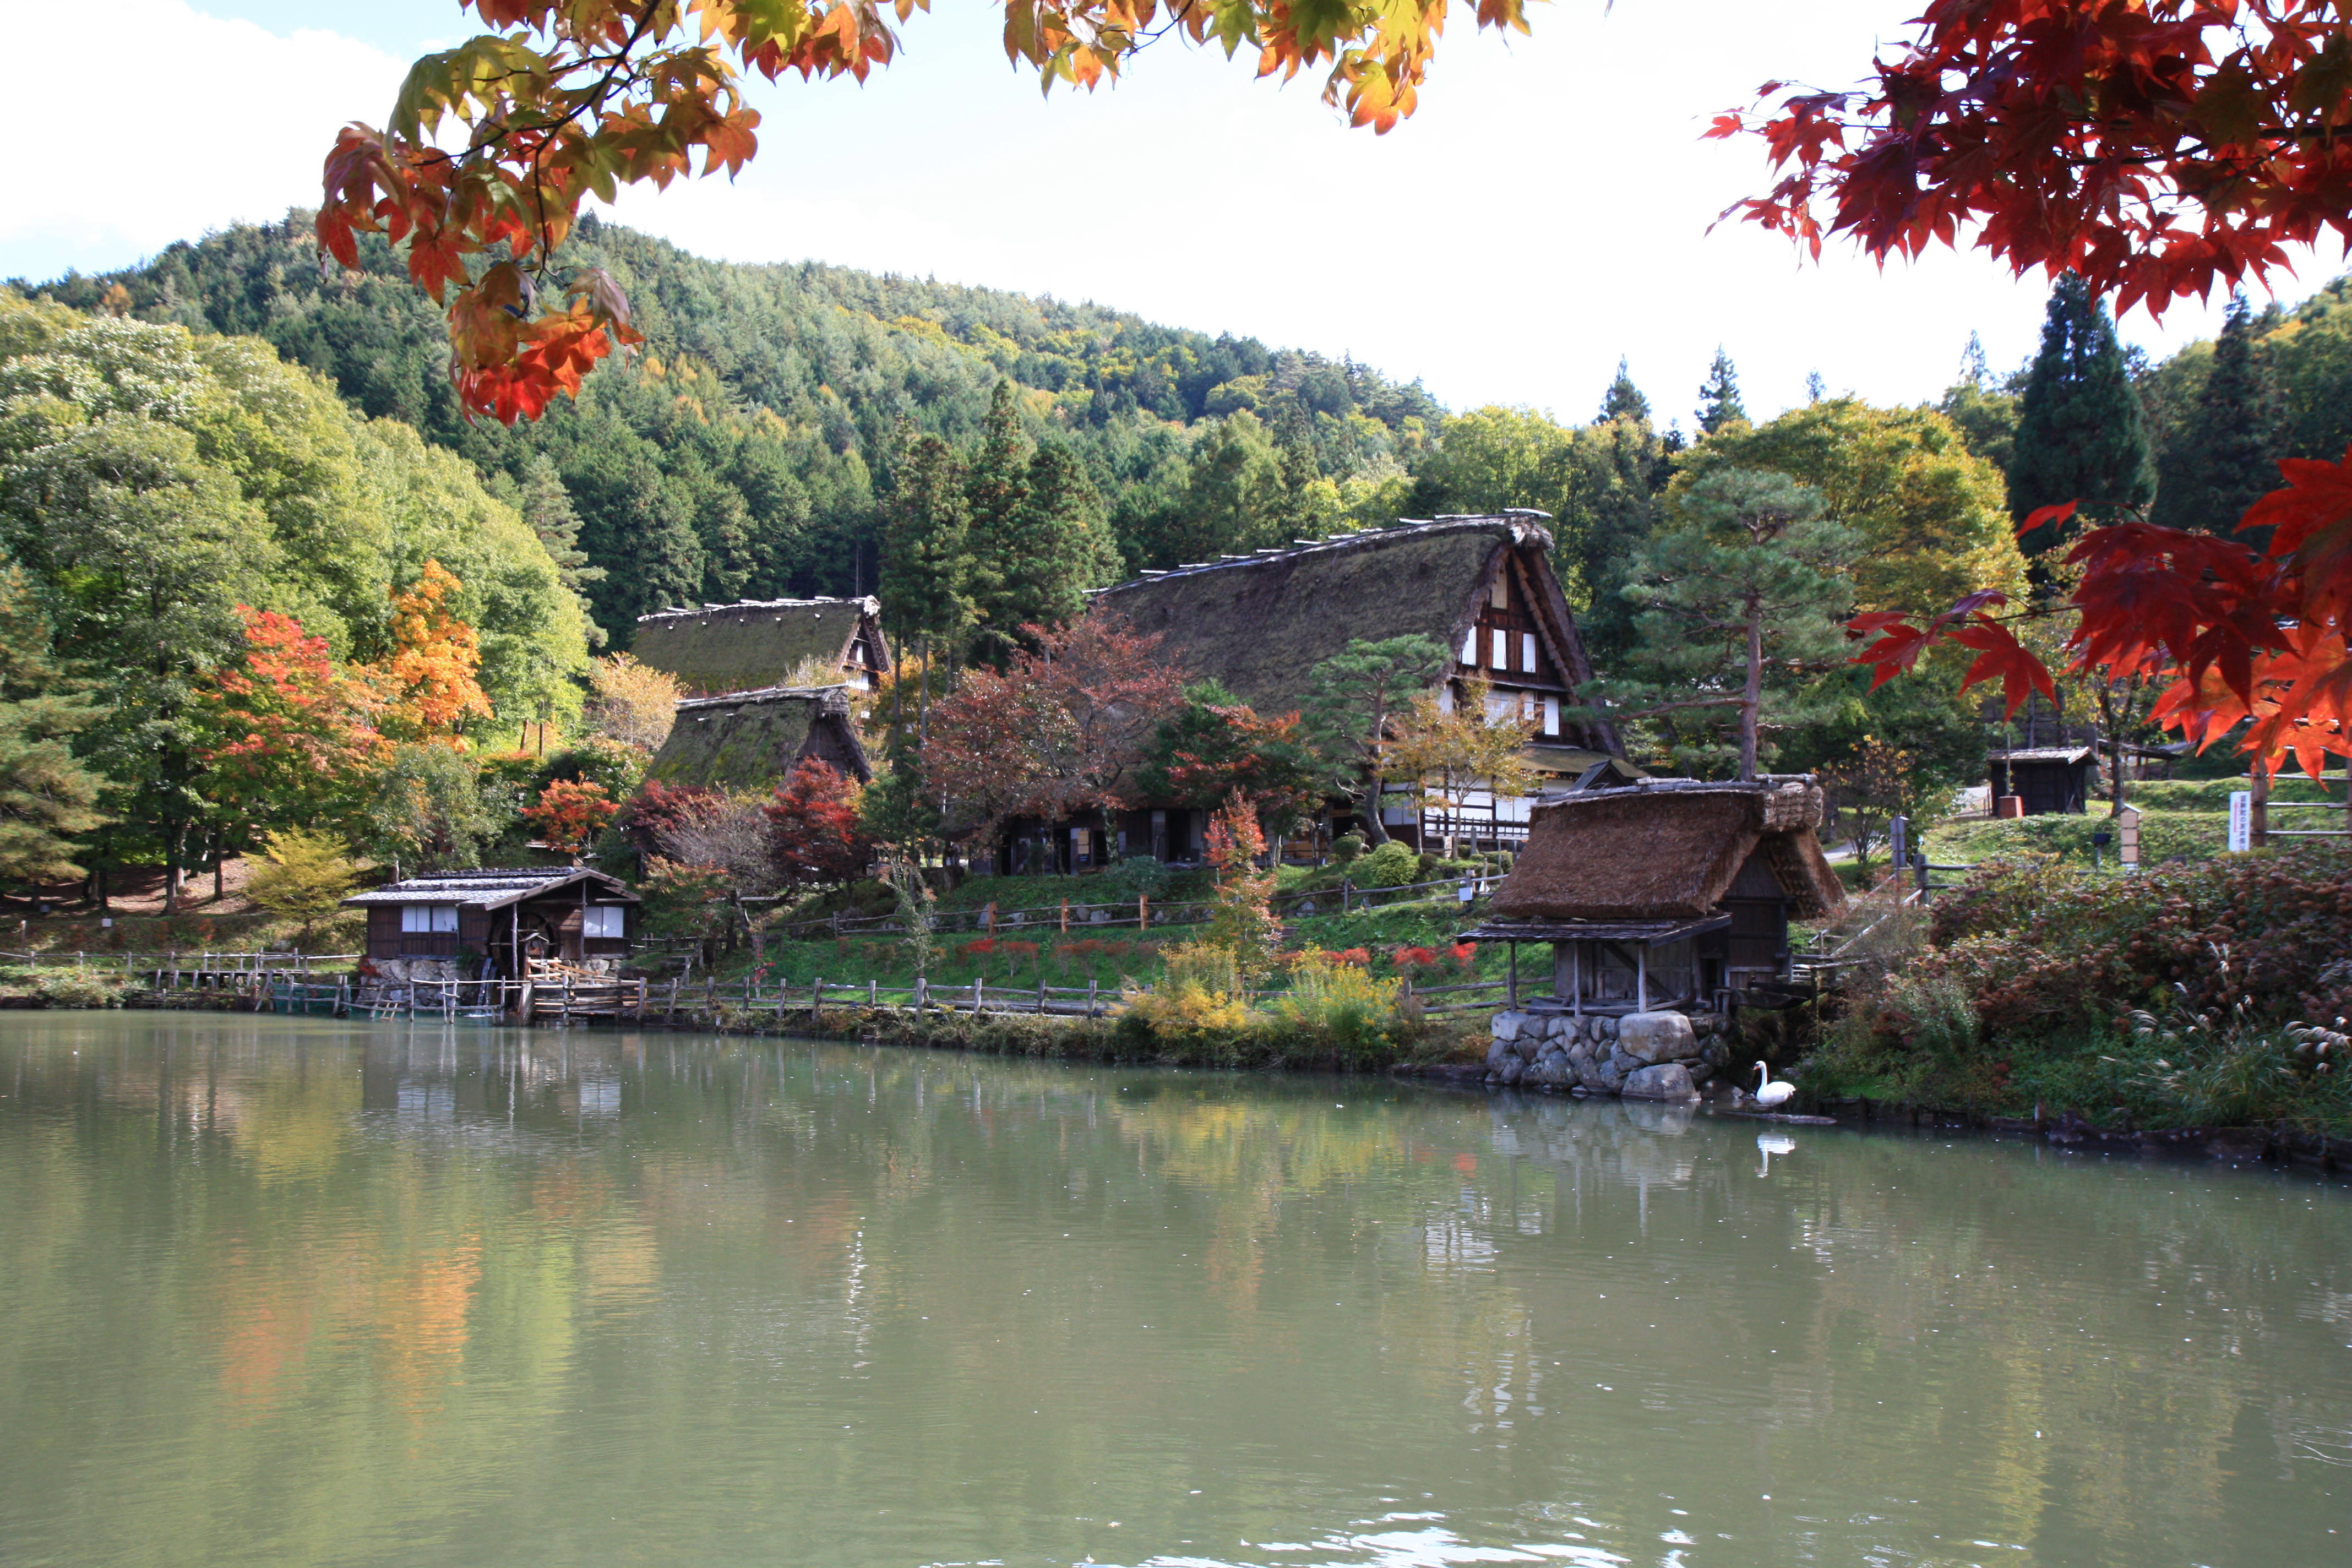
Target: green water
[{"x": 275, "y": 1291}]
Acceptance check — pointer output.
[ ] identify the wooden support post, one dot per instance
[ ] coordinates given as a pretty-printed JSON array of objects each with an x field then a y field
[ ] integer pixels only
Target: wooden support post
[
  {"x": 1576, "y": 979},
  {"x": 923, "y": 993},
  {"x": 816, "y": 999},
  {"x": 975, "y": 995},
  {"x": 873, "y": 992},
  {"x": 671, "y": 1010},
  {"x": 1143, "y": 913},
  {"x": 780, "y": 989},
  {"x": 1641, "y": 978},
  {"x": 566, "y": 1015},
  {"x": 1090, "y": 996},
  {"x": 1512, "y": 983},
  {"x": 1041, "y": 990}
]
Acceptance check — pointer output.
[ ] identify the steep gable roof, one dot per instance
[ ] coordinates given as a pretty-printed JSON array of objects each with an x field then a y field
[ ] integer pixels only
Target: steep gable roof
[
  {"x": 1261, "y": 623},
  {"x": 750, "y": 739},
  {"x": 1669, "y": 850},
  {"x": 757, "y": 644}
]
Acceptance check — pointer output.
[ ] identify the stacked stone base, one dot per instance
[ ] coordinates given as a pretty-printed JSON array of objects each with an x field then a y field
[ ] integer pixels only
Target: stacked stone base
[{"x": 1641, "y": 1055}]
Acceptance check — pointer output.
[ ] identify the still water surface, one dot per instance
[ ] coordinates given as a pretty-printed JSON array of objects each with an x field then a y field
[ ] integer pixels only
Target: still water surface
[{"x": 275, "y": 1291}]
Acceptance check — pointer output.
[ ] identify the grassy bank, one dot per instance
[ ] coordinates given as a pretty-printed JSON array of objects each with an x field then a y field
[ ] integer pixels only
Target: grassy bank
[
  {"x": 2180, "y": 820},
  {"x": 2203, "y": 994}
]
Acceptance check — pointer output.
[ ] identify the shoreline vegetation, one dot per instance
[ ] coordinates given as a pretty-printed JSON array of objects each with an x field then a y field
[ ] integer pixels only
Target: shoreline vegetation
[{"x": 2191, "y": 1009}]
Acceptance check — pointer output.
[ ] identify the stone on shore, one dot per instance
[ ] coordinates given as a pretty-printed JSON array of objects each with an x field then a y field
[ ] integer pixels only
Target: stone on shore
[{"x": 1657, "y": 1036}]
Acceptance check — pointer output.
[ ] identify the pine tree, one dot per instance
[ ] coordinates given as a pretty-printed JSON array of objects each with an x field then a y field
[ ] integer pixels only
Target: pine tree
[
  {"x": 2079, "y": 436},
  {"x": 2222, "y": 460},
  {"x": 547, "y": 506},
  {"x": 46, "y": 795},
  {"x": 1623, "y": 399},
  {"x": 996, "y": 491},
  {"x": 1815, "y": 388},
  {"x": 1719, "y": 402},
  {"x": 1057, "y": 547},
  {"x": 1975, "y": 370}
]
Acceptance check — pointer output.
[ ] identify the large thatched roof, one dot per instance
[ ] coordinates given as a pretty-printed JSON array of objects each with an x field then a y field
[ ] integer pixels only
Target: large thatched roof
[
  {"x": 1260, "y": 623},
  {"x": 757, "y": 644},
  {"x": 1670, "y": 849},
  {"x": 750, "y": 739}
]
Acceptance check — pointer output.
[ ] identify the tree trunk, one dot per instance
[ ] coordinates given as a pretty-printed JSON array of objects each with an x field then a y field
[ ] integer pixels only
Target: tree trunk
[
  {"x": 2260, "y": 823},
  {"x": 1752, "y": 700},
  {"x": 172, "y": 835},
  {"x": 220, "y": 869},
  {"x": 2113, "y": 724},
  {"x": 923, "y": 701}
]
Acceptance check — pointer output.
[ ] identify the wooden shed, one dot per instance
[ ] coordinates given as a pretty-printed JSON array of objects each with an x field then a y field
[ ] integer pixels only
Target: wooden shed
[
  {"x": 2043, "y": 779},
  {"x": 1667, "y": 893},
  {"x": 466, "y": 918}
]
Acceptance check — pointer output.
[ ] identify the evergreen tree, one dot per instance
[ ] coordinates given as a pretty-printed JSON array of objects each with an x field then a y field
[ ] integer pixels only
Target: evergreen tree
[
  {"x": 2222, "y": 461},
  {"x": 2079, "y": 436},
  {"x": 1815, "y": 388},
  {"x": 45, "y": 796},
  {"x": 1719, "y": 402},
  {"x": 1975, "y": 370},
  {"x": 926, "y": 556},
  {"x": 546, "y": 506},
  {"x": 1056, "y": 547},
  {"x": 1623, "y": 399},
  {"x": 1741, "y": 607},
  {"x": 996, "y": 493}
]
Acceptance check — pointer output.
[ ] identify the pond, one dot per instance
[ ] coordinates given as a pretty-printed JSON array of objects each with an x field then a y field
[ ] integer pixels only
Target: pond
[{"x": 276, "y": 1292}]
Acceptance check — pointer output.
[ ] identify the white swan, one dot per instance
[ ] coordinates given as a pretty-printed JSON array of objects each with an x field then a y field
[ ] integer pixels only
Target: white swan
[{"x": 1775, "y": 1092}]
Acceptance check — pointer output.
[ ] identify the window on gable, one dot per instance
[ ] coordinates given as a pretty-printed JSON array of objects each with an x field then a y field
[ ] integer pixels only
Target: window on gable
[
  {"x": 1499, "y": 596},
  {"x": 1470, "y": 647},
  {"x": 1502, "y": 649},
  {"x": 1528, "y": 651}
]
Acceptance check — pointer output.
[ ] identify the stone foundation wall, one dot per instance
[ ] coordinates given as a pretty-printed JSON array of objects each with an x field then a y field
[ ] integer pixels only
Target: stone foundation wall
[{"x": 1641, "y": 1055}]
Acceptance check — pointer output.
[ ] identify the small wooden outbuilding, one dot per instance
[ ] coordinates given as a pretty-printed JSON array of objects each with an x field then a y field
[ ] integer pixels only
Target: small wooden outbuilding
[
  {"x": 2043, "y": 779},
  {"x": 1667, "y": 893},
  {"x": 463, "y": 918}
]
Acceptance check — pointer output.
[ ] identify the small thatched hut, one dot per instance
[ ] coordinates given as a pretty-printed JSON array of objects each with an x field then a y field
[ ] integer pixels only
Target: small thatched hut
[
  {"x": 748, "y": 740},
  {"x": 1483, "y": 586},
  {"x": 763, "y": 643},
  {"x": 1667, "y": 893}
]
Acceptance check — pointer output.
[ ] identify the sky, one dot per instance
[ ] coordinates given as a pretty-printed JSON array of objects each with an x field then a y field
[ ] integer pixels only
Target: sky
[{"x": 1545, "y": 210}]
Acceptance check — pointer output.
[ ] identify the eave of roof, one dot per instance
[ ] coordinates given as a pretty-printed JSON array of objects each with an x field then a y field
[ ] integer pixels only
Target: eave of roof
[
  {"x": 491, "y": 890},
  {"x": 1644, "y": 933}
]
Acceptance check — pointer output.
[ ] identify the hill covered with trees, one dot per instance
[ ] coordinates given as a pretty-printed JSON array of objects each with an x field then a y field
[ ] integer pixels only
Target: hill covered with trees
[{"x": 745, "y": 452}]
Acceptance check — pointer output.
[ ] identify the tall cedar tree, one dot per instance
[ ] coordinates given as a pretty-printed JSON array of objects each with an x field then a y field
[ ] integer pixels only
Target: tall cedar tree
[
  {"x": 1623, "y": 399},
  {"x": 1740, "y": 606},
  {"x": 2223, "y": 459},
  {"x": 1037, "y": 570},
  {"x": 926, "y": 557},
  {"x": 996, "y": 494},
  {"x": 45, "y": 796},
  {"x": 1719, "y": 402},
  {"x": 2079, "y": 432},
  {"x": 546, "y": 506}
]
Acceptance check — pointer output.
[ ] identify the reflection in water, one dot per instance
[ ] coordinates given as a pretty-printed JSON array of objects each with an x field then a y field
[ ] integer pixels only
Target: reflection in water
[{"x": 278, "y": 1291}]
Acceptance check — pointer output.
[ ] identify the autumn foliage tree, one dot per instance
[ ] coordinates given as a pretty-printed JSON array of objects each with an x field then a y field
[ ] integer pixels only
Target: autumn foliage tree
[
  {"x": 1243, "y": 921},
  {"x": 569, "y": 813},
  {"x": 1061, "y": 731},
  {"x": 432, "y": 690},
  {"x": 296, "y": 735},
  {"x": 812, "y": 827},
  {"x": 493, "y": 146}
]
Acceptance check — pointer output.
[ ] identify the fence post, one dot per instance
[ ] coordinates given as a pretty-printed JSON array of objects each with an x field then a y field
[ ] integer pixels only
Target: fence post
[
  {"x": 1346, "y": 889},
  {"x": 1066, "y": 917},
  {"x": 1041, "y": 989},
  {"x": 816, "y": 1000},
  {"x": 991, "y": 919},
  {"x": 1898, "y": 833},
  {"x": 669, "y": 1011},
  {"x": 1090, "y": 996},
  {"x": 923, "y": 993},
  {"x": 975, "y": 995},
  {"x": 1919, "y": 862},
  {"x": 1142, "y": 912}
]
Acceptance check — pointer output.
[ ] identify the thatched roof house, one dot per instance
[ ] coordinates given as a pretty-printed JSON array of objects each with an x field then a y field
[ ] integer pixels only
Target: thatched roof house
[
  {"x": 748, "y": 740},
  {"x": 1668, "y": 890},
  {"x": 762, "y": 643},
  {"x": 1481, "y": 585}
]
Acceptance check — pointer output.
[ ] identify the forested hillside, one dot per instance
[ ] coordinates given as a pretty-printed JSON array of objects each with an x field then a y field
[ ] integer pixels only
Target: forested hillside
[{"x": 744, "y": 453}]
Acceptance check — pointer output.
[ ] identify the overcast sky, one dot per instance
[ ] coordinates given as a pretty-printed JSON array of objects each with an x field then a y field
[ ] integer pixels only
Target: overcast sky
[{"x": 1545, "y": 211}]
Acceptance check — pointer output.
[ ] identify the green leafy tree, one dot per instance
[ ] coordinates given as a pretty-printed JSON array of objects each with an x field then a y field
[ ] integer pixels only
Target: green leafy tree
[
  {"x": 896, "y": 810},
  {"x": 546, "y": 506},
  {"x": 2222, "y": 460},
  {"x": 1931, "y": 516},
  {"x": 48, "y": 797},
  {"x": 2080, "y": 436},
  {"x": 1356, "y": 699},
  {"x": 1449, "y": 749},
  {"x": 1982, "y": 411},
  {"x": 1741, "y": 611},
  {"x": 1718, "y": 398},
  {"x": 1235, "y": 497},
  {"x": 433, "y": 809},
  {"x": 996, "y": 495},
  {"x": 304, "y": 877}
]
